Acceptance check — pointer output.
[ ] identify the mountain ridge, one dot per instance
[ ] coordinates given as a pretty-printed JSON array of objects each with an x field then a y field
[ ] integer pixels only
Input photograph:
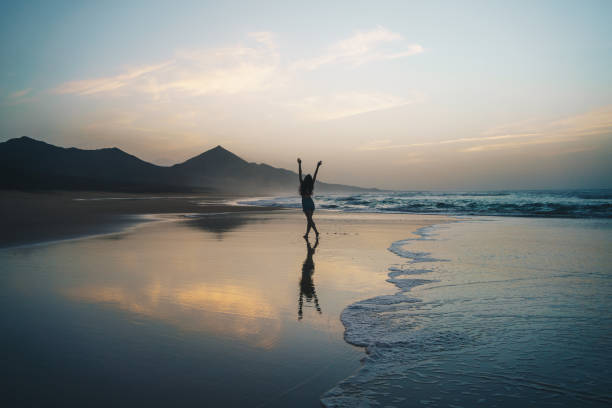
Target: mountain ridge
[{"x": 30, "y": 164}]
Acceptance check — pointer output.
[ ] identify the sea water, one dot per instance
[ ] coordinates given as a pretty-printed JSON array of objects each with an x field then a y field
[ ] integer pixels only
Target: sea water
[
  {"x": 508, "y": 306},
  {"x": 574, "y": 203},
  {"x": 491, "y": 312}
]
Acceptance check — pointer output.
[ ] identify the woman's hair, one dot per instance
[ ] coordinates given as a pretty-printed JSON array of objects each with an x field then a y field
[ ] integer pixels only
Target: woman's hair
[{"x": 307, "y": 185}]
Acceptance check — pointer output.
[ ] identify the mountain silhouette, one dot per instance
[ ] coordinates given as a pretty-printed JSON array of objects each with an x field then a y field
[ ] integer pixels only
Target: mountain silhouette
[{"x": 27, "y": 164}]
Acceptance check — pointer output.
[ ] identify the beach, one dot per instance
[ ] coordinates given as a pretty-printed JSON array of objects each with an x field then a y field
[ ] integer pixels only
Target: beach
[
  {"x": 32, "y": 217},
  {"x": 194, "y": 308},
  {"x": 185, "y": 301},
  {"x": 491, "y": 312}
]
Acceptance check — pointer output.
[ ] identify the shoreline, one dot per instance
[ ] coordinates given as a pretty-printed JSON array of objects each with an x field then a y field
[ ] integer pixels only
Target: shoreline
[
  {"x": 426, "y": 335},
  {"x": 248, "y": 301},
  {"x": 36, "y": 218},
  {"x": 403, "y": 280}
]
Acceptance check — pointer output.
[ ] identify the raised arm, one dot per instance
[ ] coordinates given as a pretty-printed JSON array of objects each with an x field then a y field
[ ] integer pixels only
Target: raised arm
[
  {"x": 300, "y": 167},
  {"x": 314, "y": 178}
]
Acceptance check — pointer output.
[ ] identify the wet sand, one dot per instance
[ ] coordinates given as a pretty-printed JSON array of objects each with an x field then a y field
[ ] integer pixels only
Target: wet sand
[
  {"x": 490, "y": 312},
  {"x": 32, "y": 217},
  {"x": 192, "y": 310}
]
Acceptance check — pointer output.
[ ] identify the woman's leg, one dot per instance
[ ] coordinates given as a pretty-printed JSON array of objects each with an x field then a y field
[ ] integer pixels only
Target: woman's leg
[
  {"x": 308, "y": 222},
  {"x": 311, "y": 224}
]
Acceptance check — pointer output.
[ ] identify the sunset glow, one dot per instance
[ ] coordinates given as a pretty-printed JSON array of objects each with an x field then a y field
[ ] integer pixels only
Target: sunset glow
[{"x": 478, "y": 96}]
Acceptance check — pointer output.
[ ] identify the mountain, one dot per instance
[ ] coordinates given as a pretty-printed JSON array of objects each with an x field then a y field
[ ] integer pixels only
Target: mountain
[
  {"x": 26, "y": 163},
  {"x": 223, "y": 170}
]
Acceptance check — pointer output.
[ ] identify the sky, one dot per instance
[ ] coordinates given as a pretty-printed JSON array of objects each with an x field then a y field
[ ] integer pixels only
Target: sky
[{"x": 390, "y": 94}]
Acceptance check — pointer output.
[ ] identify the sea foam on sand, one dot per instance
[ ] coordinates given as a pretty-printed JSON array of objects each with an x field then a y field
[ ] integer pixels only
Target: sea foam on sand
[{"x": 490, "y": 312}]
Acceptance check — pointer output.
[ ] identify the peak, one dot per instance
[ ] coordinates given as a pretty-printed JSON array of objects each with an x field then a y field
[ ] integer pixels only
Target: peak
[
  {"x": 219, "y": 150},
  {"x": 113, "y": 149},
  {"x": 25, "y": 139},
  {"x": 217, "y": 154}
]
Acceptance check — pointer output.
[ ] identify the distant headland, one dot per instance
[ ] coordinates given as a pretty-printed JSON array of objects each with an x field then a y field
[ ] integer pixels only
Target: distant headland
[{"x": 30, "y": 164}]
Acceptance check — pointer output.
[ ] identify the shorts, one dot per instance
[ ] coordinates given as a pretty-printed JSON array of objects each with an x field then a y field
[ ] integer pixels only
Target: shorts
[{"x": 307, "y": 204}]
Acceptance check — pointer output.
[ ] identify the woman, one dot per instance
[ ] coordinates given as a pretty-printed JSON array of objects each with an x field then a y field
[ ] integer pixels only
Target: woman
[{"x": 306, "y": 187}]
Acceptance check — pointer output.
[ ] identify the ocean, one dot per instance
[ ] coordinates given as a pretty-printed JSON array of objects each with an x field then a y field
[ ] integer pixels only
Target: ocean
[
  {"x": 508, "y": 306},
  {"x": 571, "y": 204}
]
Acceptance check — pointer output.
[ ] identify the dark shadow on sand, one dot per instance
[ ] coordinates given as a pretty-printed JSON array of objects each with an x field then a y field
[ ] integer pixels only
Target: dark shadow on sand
[{"x": 220, "y": 224}]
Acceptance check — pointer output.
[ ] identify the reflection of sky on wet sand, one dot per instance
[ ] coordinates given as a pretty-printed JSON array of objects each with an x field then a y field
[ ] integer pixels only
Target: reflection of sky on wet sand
[
  {"x": 233, "y": 287},
  {"x": 231, "y": 275},
  {"x": 232, "y": 284},
  {"x": 228, "y": 311}
]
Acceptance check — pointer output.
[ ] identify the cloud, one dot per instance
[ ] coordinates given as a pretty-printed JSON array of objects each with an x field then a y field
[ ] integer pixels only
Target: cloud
[
  {"x": 511, "y": 145},
  {"x": 251, "y": 67},
  {"x": 107, "y": 84},
  {"x": 342, "y": 105},
  {"x": 570, "y": 129},
  {"x": 20, "y": 94},
  {"x": 575, "y": 128},
  {"x": 265, "y": 37},
  {"x": 590, "y": 123},
  {"x": 18, "y": 98},
  {"x": 386, "y": 144},
  {"x": 226, "y": 70},
  {"x": 238, "y": 68},
  {"x": 362, "y": 47}
]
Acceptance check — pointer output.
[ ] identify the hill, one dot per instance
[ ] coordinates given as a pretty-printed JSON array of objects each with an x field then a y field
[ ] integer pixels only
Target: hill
[{"x": 28, "y": 164}]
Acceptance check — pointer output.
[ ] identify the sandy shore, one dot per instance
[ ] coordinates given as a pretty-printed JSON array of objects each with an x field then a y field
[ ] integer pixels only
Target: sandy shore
[
  {"x": 218, "y": 310},
  {"x": 29, "y": 217}
]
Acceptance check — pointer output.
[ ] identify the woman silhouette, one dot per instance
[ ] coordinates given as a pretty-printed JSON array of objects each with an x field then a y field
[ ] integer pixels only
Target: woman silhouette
[
  {"x": 306, "y": 187},
  {"x": 307, "y": 287}
]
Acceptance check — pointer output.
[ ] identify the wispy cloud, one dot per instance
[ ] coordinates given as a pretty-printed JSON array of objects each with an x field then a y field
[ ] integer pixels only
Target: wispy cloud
[
  {"x": 225, "y": 70},
  {"x": 111, "y": 83},
  {"x": 567, "y": 130},
  {"x": 19, "y": 97},
  {"x": 239, "y": 68},
  {"x": 570, "y": 129},
  {"x": 257, "y": 66},
  {"x": 265, "y": 37},
  {"x": 590, "y": 123},
  {"x": 20, "y": 94},
  {"x": 362, "y": 47},
  {"x": 513, "y": 145},
  {"x": 387, "y": 144},
  {"x": 342, "y": 105}
]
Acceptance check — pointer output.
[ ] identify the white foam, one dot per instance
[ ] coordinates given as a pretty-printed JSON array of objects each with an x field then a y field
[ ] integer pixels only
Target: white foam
[
  {"x": 424, "y": 234},
  {"x": 378, "y": 324},
  {"x": 362, "y": 320},
  {"x": 537, "y": 337}
]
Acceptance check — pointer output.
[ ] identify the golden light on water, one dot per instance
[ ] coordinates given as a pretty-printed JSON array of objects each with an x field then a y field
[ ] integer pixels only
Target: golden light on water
[{"x": 221, "y": 310}]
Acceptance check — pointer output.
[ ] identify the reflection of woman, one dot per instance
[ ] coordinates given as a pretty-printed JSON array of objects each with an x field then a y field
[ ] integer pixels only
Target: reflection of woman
[
  {"x": 307, "y": 288},
  {"x": 306, "y": 187}
]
